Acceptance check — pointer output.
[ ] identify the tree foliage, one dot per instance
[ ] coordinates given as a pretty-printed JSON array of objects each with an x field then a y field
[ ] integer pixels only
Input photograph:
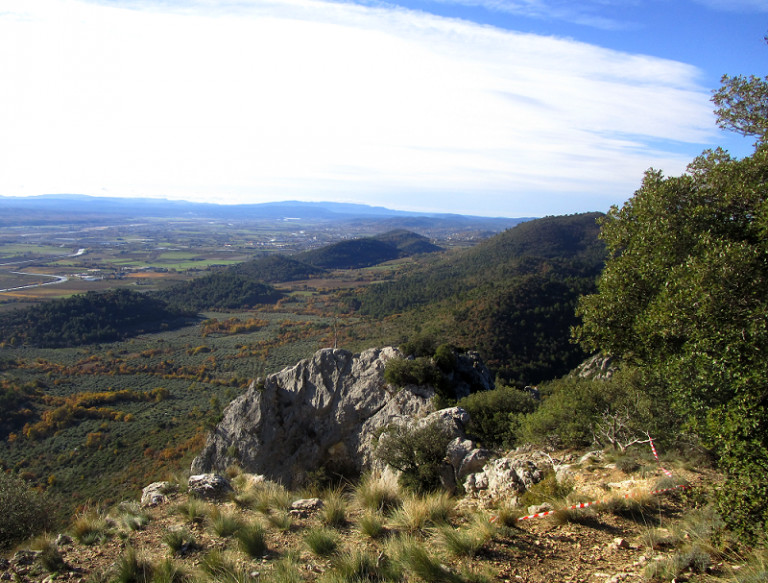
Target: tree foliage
[
  {"x": 574, "y": 410},
  {"x": 224, "y": 290},
  {"x": 417, "y": 452},
  {"x": 685, "y": 295},
  {"x": 742, "y": 105},
  {"x": 512, "y": 296},
  {"x": 87, "y": 318},
  {"x": 25, "y": 510},
  {"x": 494, "y": 416}
]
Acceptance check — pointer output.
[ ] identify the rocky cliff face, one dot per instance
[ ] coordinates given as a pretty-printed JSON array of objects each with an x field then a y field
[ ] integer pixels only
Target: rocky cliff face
[{"x": 323, "y": 412}]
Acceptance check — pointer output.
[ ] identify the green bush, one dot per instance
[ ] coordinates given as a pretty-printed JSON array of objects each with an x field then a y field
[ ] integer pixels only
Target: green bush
[
  {"x": 418, "y": 371},
  {"x": 576, "y": 412},
  {"x": 495, "y": 415},
  {"x": 417, "y": 452},
  {"x": 25, "y": 511},
  {"x": 419, "y": 346}
]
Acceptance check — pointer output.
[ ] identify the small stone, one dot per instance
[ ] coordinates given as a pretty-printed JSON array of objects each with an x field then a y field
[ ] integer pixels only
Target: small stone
[
  {"x": 620, "y": 543},
  {"x": 63, "y": 540},
  {"x": 307, "y": 504},
  {"x": 209, "y": 485},
  {"x": 537, "y": 508}
]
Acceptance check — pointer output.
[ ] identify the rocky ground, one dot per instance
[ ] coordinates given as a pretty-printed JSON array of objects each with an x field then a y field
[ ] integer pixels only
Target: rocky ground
[{"x": 601, "y": 544}]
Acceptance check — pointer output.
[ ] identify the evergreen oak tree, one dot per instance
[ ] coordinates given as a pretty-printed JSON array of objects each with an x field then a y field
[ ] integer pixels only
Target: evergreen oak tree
[{"x": 684, "y": 294}]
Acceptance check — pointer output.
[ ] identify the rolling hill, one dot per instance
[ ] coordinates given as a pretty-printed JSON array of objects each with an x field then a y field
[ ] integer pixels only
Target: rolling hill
[
  {"x": 368, "y": 251},
  {"x": 511, "y": 296}
]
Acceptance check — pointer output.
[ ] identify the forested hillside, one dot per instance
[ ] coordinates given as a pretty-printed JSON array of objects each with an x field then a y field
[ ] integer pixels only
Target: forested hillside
[
  {"x": 220, "y": 291},
  {"x": 246, "y": 285},
  {"x": 512, "y": 297},
  {"x": 92, "y": 317},
  {"x": 276, "y": 269},
  {"x": 368, "y": 251}
]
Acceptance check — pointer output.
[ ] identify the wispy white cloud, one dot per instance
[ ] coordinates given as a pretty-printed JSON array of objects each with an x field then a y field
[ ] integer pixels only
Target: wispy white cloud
[
  {"x": 591, "y": 13},
  {"x": 736, "y": 5},
  {"x": 271, "y": 99}
]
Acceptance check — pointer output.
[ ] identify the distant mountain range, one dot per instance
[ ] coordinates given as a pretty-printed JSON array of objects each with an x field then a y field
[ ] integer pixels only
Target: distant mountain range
[{"x": 45, "y": 208}]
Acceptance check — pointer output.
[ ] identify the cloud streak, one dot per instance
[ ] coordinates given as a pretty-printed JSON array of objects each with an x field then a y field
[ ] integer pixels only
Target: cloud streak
[{"x": 304, "y": 99}]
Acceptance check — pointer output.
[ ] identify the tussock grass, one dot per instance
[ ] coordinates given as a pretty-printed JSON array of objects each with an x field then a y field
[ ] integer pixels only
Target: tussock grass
[
  {"x": 193, "y": 510},
  {"x": 50, "y": 554},
  {"x": 547, "y": 490},
  {"x": 417, "y": 513},
  {"x": 371, "y": 524},
  {"x": 412, "y": 516},
  {"x": 281, "y": 520},
  {"x": 359, "y": 566},
  {"x": 270, "y": 497},
  {"x": 375, "y": 492},
  {"x": 219, "y": 568},
  {"x": 480, "y": 524},
  {"x": 459, "y": 542},
  {"x": 179, "y": 541},
  {"x": 755, "y": 570},
  {"x": 246, "y": 499},
  {"x": 322, "y": 542},
  {"x": 131, "y": 517},
  {"x": 628, "y": 464},
  {"x": 334, "y": 510},
  {"x": 563, "y": 516},
  {"x": 131, "y": 568},
  {"x": 224, "y": 523},
  {"x": 693, "y": 559},
  {"x": 412, "y": 556},
  {"x": 91, "y": 526},
  {"x": 168, "y": 571},
  {"x": 251, "y": 540},
  {"x": 286, "y": 570},
  {"x": 697, "y": 538},
  {"x": 640, "y": 507},
  {"x": 657, "y": 538},
  {"x": 506, "y": 515}
]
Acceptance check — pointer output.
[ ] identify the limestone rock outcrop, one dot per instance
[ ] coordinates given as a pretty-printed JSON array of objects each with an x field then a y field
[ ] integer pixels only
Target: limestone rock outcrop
[
  {"x": 508, "y": 477},
  {"x": 322, "y": 412},
  {"x": 327, "y": 412}
]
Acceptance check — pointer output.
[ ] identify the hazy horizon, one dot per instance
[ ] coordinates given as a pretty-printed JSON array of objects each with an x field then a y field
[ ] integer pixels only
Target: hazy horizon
[{"x": 479, "y": 107}]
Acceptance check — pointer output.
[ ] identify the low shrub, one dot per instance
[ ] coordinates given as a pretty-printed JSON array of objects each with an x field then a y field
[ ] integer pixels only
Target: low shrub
[
  {"x": 416, "y": 452},
  {"x": 401, "y": 372},
  {"x": 494, "y": 416},
  {"x": 547, "y": 490},
  {"x": 25, "y": 510}
]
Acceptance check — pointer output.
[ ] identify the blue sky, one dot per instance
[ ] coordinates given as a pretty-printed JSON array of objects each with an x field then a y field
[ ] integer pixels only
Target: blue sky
[{"x": 486, "y": 107}]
